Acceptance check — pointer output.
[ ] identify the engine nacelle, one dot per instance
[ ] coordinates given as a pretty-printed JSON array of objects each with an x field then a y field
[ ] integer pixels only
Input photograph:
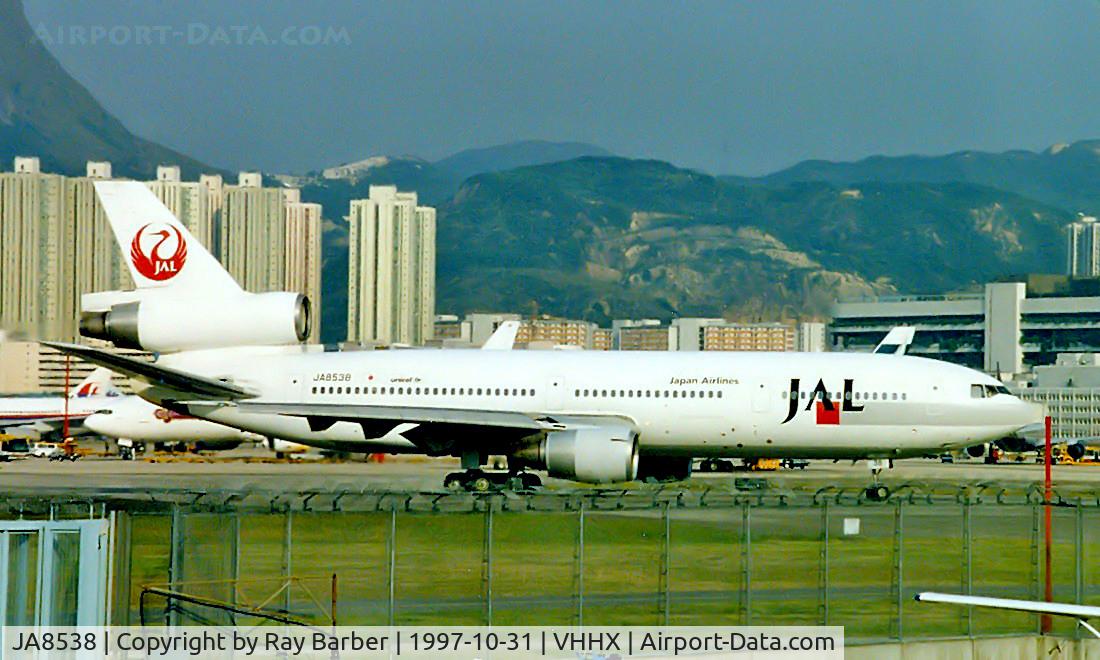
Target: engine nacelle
[
  {"x": 162, "y": 324},
  {"x": 1076, "y": 450},
  {"x": 593, "y": 455}
]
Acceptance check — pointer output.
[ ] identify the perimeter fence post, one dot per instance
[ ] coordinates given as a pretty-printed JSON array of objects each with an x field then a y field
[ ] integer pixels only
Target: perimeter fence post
[
  {"x": 746, "y": 564},
  {"x": 968, "y": 564},
  {"x": 175, "y": 562},
  {"x": 288, "y": 534},
  {"x": 823, "y": 567},
  {"x": 391, "y": 573},
  {"x": 666, "y": 567},
  {"x": 1036, "y": 561},
  {"x": 236, "y": 550},
  {"x": 578, "y": 565},
  {"x": 487, "y": 565},
  {"x": 899, "y": 566}
]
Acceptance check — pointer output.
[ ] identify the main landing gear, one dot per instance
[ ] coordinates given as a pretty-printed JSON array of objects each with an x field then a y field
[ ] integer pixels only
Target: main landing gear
[
  {"x": 476, "y": 480},
  {"x": 479, "y": 481},
  {"x": 877, "y": 492}
]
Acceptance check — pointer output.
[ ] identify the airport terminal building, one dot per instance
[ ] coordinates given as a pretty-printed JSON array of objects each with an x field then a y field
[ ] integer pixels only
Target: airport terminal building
[{"x": 1008, "y": 329}]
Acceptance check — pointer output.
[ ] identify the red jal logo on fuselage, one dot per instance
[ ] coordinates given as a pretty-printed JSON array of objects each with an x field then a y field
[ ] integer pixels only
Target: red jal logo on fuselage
[
  {"x": 828, "y": 408},
  {"x": 148, "y": 255}
]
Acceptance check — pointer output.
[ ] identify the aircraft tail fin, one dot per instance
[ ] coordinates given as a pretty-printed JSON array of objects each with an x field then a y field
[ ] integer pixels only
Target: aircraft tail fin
[
  {"x": 157, "y": 248},
  {"x": 503, "y": 338},
  {"x": 98, "y": 383},
  {"x": 897, "y": 340}
]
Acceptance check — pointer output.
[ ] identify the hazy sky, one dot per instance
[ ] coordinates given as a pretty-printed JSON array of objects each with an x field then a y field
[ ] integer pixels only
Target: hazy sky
[{"x": 728, "y": 87}]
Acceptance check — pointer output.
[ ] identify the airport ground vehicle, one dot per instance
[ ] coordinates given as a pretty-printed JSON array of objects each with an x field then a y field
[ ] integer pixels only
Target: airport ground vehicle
[{"x": 45, "y": 450}]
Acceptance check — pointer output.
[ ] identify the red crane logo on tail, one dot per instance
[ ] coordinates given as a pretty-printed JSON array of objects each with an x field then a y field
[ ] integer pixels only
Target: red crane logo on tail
[{"x": 148, "y": 257}]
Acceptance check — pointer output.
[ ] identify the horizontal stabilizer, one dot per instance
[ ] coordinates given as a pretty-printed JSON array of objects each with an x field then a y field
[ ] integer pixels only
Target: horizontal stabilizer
[{"x": 155, "y": 375}]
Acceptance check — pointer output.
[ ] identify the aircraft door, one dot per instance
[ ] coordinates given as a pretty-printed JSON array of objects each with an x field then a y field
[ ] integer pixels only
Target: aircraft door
[
  {"x": 934, "y": 407},
  {"x": 555, "y": 392},
  {"x": 761, "y": 401}
]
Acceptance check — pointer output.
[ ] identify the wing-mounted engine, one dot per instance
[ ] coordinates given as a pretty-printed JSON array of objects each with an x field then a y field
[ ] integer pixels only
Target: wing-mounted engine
[
  {"x": 166, "y": 324},
  {"x": 596, "y": 453}
]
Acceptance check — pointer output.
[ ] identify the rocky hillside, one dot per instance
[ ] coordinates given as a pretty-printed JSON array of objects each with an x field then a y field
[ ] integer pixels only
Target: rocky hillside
[
  {"x": 606, "y": 237},
  {"x": 44, "y": 112}
]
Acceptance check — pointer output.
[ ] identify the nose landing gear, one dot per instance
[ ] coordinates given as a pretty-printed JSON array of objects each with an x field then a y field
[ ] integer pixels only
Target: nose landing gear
[{"x": 877, "y": 492}]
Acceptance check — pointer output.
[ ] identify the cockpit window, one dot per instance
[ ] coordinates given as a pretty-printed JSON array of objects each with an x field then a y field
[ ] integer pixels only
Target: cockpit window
[{"x": 979, "y": 391}]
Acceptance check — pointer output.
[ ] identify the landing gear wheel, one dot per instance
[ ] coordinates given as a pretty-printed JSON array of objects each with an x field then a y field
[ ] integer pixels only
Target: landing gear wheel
[
  {"x": 877, "y": 493},
  {"x": 477, "y": 481},
  {"x": 455, "y": 481}
]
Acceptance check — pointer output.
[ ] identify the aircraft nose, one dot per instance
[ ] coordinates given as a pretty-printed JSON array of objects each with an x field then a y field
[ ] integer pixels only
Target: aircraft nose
[
  {"x": 1027, "y": 412},
  {"x": 98, "y": 423}
]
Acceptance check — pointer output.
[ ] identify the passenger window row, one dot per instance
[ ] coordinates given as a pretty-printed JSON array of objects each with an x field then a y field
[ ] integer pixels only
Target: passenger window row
[
  {"x": 648, "y": 394},
  {"x": 427, "y": 391},
  {"x": 858, "y": 396}
]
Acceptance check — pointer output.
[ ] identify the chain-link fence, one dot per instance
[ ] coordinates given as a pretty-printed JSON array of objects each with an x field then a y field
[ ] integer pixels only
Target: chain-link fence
[{"x": 656, "y": 556}]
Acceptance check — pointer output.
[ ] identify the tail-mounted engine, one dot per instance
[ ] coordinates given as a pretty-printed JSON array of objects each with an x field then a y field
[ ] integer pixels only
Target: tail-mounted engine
[{"x": 168, "y": 324}]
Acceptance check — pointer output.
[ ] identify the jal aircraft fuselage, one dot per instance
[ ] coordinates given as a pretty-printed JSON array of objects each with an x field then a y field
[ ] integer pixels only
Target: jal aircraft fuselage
[{"x": 705, "y": 404}]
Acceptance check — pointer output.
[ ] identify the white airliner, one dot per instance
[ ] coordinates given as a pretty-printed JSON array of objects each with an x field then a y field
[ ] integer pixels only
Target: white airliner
[
  {"x": 236, "y": 358},
  {"x": 45, "y": 416},
  {"x": 133, "y": 419}
]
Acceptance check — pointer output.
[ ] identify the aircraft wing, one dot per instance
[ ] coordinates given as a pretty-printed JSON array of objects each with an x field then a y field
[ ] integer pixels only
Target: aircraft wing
[
  {"x": 1079, "y": 612},
  {"x": 154, "y": 374},
  {"x": 39, "y": 424},
  {"x": 437, "y": 430}
]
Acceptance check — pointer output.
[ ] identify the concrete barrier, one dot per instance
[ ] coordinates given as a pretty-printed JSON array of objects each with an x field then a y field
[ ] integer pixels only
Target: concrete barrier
[{"x": 998, "y": 648}]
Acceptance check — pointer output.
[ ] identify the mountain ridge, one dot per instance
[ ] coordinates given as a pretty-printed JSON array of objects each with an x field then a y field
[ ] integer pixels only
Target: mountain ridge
[
  {"x": 1065, "y": 174},
  {"x": 44, "y": 112}
]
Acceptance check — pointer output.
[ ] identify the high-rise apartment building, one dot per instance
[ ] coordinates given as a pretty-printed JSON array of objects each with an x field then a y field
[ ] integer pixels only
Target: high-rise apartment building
[
  {"x": 391, "y": 268},
  {"x": 97, "y": 262},
  {"x": 1083, "y": 247},
  {"x": 189, "y": 201},
  {"x": 303, "y": 253},
  {"x": 33, "y": 288},
  {"x": 55, "y": 245},
  {"x": 252, "y": 234}
]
